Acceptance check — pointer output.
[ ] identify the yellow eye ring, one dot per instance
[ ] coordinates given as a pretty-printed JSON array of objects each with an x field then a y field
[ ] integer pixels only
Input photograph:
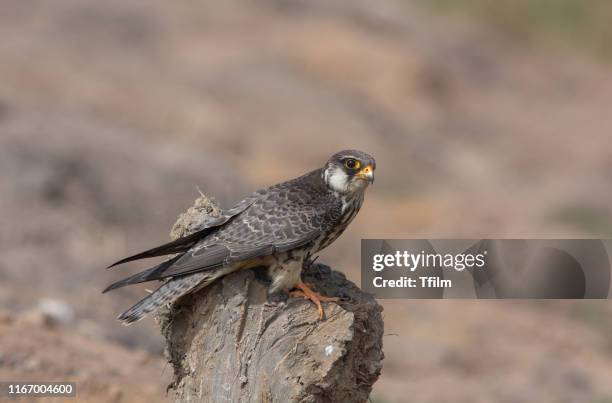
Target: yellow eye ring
[{"x": 352, "y": 163}]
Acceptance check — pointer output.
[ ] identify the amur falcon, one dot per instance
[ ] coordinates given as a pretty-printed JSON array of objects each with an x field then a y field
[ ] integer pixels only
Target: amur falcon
[{"x": 280, "y": 228}]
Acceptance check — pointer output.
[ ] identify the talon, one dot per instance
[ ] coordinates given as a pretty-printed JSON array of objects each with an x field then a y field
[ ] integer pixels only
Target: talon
[
  {"x": 305, "y": 290},
  {"x": 297, "y": 294}
]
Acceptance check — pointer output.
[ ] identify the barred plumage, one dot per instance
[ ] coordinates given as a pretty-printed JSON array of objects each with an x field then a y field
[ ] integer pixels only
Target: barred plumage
[
  {"x": 278, "y": 227},
  {"x": 166, "y": 294}
]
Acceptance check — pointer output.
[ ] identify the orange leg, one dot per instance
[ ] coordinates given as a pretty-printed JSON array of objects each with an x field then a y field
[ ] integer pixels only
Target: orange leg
[{"x": 305, "y": 291}]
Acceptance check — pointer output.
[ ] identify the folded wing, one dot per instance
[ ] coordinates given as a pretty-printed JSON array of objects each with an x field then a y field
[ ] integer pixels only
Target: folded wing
[{"x": 276, "y": 220}]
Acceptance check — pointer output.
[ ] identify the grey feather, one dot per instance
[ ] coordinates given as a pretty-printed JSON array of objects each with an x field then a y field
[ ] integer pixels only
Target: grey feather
[
  {"x": 282, "y": 217},
  {"x": 166, "y": 294}
]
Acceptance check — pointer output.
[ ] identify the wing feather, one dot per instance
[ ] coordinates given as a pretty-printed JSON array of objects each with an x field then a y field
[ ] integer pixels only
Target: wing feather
[
  {"x": 185, "y": 243},
  {"x": 143, "y": 276},
  {"x": 281, "y": 218}
]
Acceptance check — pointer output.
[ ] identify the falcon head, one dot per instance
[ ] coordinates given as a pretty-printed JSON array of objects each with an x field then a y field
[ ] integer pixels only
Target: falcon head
[{"x": 349, "y": 171}]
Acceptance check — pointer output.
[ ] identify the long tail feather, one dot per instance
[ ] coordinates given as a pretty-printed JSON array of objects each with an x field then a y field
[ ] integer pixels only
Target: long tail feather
[{"x": 166, "y": 294}]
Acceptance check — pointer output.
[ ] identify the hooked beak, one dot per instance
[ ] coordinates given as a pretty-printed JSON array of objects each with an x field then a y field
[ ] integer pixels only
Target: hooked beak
[{"x": 367, "y": 173}]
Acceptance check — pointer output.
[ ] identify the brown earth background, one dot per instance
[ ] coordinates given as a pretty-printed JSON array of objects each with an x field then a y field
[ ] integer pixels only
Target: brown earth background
[{"x": 487, "y": 119}]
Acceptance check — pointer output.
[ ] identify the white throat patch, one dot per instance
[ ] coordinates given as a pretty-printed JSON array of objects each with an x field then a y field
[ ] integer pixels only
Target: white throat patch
[{"x": 336, "y": 179}]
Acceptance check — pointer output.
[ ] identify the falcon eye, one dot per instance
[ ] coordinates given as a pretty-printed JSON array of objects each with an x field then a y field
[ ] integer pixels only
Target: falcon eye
[{"x": 352, "y": 163}]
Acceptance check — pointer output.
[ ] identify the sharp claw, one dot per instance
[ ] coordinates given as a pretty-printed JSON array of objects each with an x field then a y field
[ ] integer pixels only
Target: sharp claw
[
  {"x": 298, "y": 294},
  {"x": 305, "y": 290}
]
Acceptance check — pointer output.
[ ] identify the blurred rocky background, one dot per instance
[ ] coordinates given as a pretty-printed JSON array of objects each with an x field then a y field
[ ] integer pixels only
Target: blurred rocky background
[{"x": 487, "y": 119}]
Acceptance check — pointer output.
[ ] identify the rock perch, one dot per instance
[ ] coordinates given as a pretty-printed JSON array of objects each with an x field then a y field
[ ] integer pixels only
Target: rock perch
[{"x": 227, "y": 343}]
